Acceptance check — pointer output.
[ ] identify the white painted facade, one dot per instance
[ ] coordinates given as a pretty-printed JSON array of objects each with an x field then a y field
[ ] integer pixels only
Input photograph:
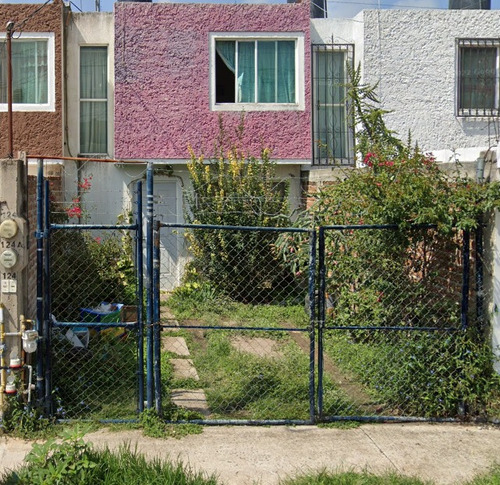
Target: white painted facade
[{"x": 411, "y": 55}]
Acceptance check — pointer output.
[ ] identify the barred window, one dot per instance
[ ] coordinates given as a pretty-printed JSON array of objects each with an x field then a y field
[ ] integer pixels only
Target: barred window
[
  {"x": 477, "y": 80},
  {"x": 333, "y": 137}
]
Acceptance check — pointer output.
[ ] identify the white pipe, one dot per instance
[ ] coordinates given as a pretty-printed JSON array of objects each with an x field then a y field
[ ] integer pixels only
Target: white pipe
[{"x": 30, "y": 376}]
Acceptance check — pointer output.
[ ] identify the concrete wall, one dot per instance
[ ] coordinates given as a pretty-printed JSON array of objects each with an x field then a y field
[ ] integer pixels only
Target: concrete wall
[
  {"x": 340, "y": 31},
  {"x": 37, "y": 132},
  {"x": 162, "y": 80},
  {"x": 91, "y": 29},
  {"x": 412, "y": 55}
]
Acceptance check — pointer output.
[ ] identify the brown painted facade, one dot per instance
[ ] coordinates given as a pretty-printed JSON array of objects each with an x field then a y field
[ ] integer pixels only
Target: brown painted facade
[{"x": 36, "y": 132}]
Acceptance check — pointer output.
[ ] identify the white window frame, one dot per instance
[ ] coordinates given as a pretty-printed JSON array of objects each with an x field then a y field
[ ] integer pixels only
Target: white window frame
[
  {"x": 464, "y": 43},
  {"x": 48, "y": 37},
  {"x": 108, "y": 114},
  {"x": 298, "y": 37}
]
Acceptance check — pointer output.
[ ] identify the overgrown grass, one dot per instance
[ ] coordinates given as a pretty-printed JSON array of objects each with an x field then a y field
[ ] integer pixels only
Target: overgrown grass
[
  {"x": 241, "y": 384},
  {"x": 74, "y": 461},
  {"x": 189, "y": 303},
  {"x": 244, "y": 383},
  {"x": 354, "y": 478},
  {"x": 97, "y": 382},
  {"x": 490, "y": 477},
  {"x": 423, "y": 374}
]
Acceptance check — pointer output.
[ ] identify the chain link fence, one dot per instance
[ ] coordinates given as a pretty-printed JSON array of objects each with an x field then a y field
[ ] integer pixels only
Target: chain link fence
[
  {"x": 92, "y": 296},
  {"x": 257, "y": 324},
  {"x": 93, "y": 312},
  {"x": 237, "y": 341},
  {"x": 399, "y": 331}
]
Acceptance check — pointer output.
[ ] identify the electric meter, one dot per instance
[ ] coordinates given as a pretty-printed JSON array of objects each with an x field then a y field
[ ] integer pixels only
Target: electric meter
[
  {"x": 8, "y": 258},
  {"x": 8, "y": 229}
]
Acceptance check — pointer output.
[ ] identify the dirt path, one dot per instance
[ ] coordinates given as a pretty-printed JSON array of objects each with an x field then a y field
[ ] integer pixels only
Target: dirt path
[{"x": 345, "y": 382}]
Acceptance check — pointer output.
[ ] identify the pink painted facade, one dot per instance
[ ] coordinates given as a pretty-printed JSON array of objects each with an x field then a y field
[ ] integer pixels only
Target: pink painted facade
[{"x": 162, "y": 76}]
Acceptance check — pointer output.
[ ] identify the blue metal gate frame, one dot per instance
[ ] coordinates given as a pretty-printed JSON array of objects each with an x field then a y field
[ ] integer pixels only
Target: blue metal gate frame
[
  {"x": 44, "y": 322},
  {"x": 464, "y": 313},
  {"x": 148, "y": 325}
]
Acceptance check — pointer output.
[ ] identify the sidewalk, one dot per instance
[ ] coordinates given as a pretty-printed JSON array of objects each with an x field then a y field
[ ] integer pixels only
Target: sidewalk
[{"x": 445, "y": 453}]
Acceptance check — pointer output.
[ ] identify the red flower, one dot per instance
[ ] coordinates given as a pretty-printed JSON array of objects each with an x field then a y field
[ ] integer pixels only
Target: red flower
[
  {"x": 74, "y": 211},
  {"x": 368, "y": 159}
]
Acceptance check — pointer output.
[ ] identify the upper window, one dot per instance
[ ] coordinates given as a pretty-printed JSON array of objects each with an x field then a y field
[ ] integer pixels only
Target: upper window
[
  {"x": 33, "y": 76},
  {"x": 256, "y": 72},
  {"x": 333, "y": 136},
  {"x": 478, "y": 77},
  {"x": 93, "y": 100}
]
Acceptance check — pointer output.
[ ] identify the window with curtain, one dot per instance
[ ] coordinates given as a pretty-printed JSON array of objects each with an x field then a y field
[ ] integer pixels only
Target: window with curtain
[
  {"x": 30, "y": 75},
  {"x": 478, "y": 77},
  {"x": 333, "y": 137},
  {"x": 93, "y": 100},
  {"x": 255, "y": 71}
]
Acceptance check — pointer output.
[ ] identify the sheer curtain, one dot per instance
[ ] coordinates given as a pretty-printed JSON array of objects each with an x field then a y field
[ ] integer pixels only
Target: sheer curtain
[
  {"x": 29, "y": 72},
  {"x": 93, "y": 100},
  {"x": 286, "y": 72},
  {"x": 246, "y": 72},
  {"x": 267, "y": 65},
  {"x": 478, "y": 71}
]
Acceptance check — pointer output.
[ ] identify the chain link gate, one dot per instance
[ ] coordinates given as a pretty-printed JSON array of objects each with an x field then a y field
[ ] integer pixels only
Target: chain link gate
[
  {"x": 393, "y": 314},
  {"x": 236, "y": 341},
  {"x": 91, "y": 307},
  {"x": 246, "y": 338}
]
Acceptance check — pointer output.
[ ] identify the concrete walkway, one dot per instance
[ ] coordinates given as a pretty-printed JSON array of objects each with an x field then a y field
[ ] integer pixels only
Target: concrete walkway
[{"x": 444, "y": 453}]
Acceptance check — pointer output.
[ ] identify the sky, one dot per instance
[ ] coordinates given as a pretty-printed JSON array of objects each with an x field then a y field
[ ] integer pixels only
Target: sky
[{"x": 336, "y": 8}]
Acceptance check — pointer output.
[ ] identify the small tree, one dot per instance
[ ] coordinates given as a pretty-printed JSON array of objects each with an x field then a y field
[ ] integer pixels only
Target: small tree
[{"x": 233, "y": 189}]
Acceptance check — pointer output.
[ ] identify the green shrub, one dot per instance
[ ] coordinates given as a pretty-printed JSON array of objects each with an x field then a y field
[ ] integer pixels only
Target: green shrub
[
  {"x": 233, "y": 189},
  {"x": 75, "y": 462},
  {"x": 86, "y": 270}
]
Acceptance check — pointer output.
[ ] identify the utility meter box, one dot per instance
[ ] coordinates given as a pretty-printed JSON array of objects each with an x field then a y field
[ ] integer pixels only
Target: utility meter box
[{"x": 13, "y": 252}]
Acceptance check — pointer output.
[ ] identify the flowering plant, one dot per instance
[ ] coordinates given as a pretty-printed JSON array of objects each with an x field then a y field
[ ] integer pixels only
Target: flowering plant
[{"x": 75, "y": 209}]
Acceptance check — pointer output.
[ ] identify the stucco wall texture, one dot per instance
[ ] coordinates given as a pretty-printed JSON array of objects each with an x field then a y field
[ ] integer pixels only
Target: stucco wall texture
[
  {"x": 162, "y": 80},
  {"x": 36, "y": 133},
  {"x": 412, "y": 54}
]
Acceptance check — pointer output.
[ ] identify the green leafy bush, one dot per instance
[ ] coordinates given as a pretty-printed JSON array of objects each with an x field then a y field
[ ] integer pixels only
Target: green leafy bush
[
  {"x": 73, "y": 461},
  {"x": 88, "y": 269},
  {"x": 408, "y": 276},
  {"x": 233, "y": 189}
]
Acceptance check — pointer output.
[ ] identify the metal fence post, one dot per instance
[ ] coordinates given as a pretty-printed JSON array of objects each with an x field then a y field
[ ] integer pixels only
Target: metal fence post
[
  {"x": 140, "y": 297},
  {"x": 156, "y": 316},
  {"x": 312, "y": 321},
  {"x": 321, "y": 316},
  {"x": 39, "y": 280},
  {"x": 149, "y": 286},
  {"x": 47, "y": 327},
  {"x": 465, "y": 279},
  {"x": 480, "y": 279}
]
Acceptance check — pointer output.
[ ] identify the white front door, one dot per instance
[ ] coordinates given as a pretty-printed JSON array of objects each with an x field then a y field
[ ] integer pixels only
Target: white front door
[{"x": 168, "y": 208}]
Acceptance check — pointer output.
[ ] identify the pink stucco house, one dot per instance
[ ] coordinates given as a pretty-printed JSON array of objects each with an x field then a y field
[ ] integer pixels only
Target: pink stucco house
[{"x": 180, "y": 68}]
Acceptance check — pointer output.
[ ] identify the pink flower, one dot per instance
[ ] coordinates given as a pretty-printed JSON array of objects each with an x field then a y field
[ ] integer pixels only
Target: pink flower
[
  {"x": 368, "y": 159},
  {"x": 74, "y": 211}
]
